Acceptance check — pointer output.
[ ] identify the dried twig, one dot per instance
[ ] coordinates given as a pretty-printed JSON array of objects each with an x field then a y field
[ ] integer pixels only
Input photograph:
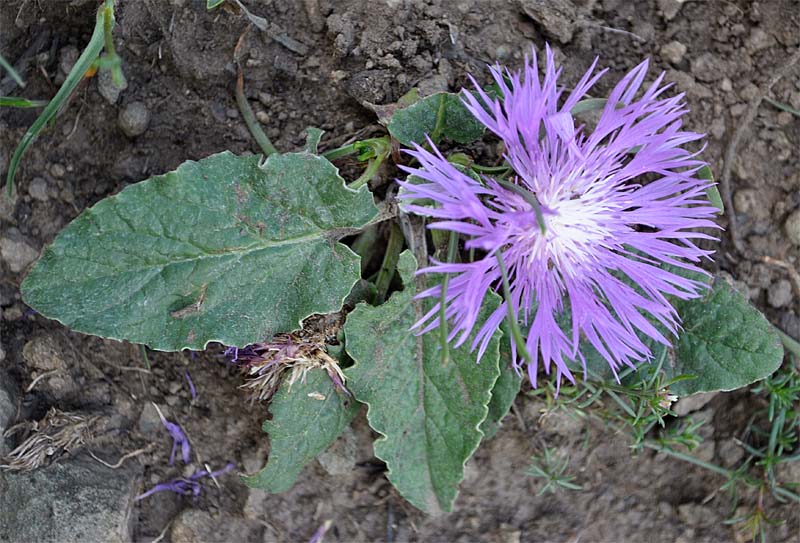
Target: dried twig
[
  {"x": 794, "y": 276},
  {"x": 730, "y": 152},
  {"x": 119, "y": 462}
]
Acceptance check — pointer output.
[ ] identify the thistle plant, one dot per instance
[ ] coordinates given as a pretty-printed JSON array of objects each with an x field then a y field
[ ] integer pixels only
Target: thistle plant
[{"x": 576, "y": 254}]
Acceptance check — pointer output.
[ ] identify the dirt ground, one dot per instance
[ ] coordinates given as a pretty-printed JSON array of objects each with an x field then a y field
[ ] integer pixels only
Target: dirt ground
[{"x": 321, "y": 63}]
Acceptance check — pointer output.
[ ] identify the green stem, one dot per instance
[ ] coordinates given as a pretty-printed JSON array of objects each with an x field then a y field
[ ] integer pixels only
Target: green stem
[
  {"x": 529, "y": 197},
  {"x": 108, "y": 27},
  {"x": 389, "y": 264},
  {"x": 74, "y": 77},
  {"x": 372, "y": 169},
  {"x": 339, "y": 152},
  {"x": 516, "y": 333},
  {"x": 250, "y": 119},
  {"x": 490, "y": 169},
  {"x": 452, "y": 250},
  {"x": 689, "y": 458},
  {"x": 786, "y": 493},
  {"x": 790, "y": 343}
]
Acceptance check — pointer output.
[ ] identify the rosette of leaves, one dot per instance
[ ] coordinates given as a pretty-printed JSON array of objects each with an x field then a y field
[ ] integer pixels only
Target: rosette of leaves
[{"x": 234, "y": 249}]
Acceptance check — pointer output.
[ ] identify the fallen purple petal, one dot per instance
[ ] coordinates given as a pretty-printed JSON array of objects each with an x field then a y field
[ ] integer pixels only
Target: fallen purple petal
[
  {"x": 320, "y": 533},
  {"x": 186, "y": 486},
  {"x": 192, "y": 389},
  {"x": 178, "y": 438}
]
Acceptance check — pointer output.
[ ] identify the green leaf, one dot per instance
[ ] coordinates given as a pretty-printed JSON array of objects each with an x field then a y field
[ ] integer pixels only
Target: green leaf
[
  {"x": 15, "y": 101},
  {"x": 439, "y": 115},
  {"x": 11, "y": 71},
  {"x": 428, "y": 413},
  {"x": 313, "y": 135},
  {"x": 711, "y": 192},
  {"x": 223, "y": 249},
  {"x": 211, "y": 4},
  {"x": 307, "y": 417},
  {"x": 504, "y": 391},
  {"x": 726, "y": 343}
]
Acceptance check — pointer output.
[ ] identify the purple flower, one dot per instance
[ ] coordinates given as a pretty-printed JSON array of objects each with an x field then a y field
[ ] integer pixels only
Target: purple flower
[
  {"x": 186, "y": 486},
  {"x": 596, "y": 246},
  {"x": 192, "y": 389}
]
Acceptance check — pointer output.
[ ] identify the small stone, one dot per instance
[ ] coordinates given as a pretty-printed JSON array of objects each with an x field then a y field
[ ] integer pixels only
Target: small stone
[
  {"x": 194, "y": 526},
  {"x": 780, "y": 294},
  {"x": 748, "y": 202},
  {"x": 340, "y": 459},
  {"x": 759, "y": 40},
  {"x": 16, "y": 253},
  {"x": 58, "y": 170},
  {"x": 8, "y": 407},
  {"x": 67, "y": 58},
  {"x": 669, "y": 8},
  {"x": 263, "y": 117},
  {"x": 792, "y": 227},
  {"x": 673, "y": 52},
  {"x": 107, "y": 88},
  {"x": 37, "y": 189},
  {"x": 42, "y": 353},
  {"x": 134, "y": 119},
  {"x": 692, "y": 403},
  {"x": 730, "y": 452},
  {"x": 726, "y": 85},
  {"x": 707, "y": 68},
  {"x": 232, "y": 113},
  {"x": 149, "y": 422},
  {"x": 172, "y": 400}
]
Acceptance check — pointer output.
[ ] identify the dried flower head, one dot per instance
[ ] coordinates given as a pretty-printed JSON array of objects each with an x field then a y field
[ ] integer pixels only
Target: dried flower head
[
  {"x": 576, "y": 226},
  {"x": 266, "y": 364}
]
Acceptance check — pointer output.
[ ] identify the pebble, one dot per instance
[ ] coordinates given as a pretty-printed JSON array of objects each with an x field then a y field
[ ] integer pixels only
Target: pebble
[
  {"x": 673, "y": 52},
  {"x": 16, "y": 253},
  {"x": 37, "y": 189},
  {"x": 692, "y": 403},
  {"x": 669, "y": 8},
  {"x": 748, "y": 202},
  {"x": 340, "y": 459},
  {"x": 780, "y": 294},
  {"x": 107, "y": 88},
  {"x": 58, "y": 170},
  {"x": 194, "y": 526},
  {"x": 42, "y": 353},
  {"x": 134, "y": 119},
  {"x": 707, "y": 68},
  {"x": 67, "y": 58},
  {"x": 792, "y": 227},
  {"x": 726, "y": 85},
  {"x": 149, "y": 421}
]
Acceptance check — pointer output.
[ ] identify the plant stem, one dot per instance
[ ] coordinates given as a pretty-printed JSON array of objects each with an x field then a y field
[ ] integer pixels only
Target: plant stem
[
  {"x": 372, "y": 168},
  {"x": 452, "y": 250},
  {"x": 250, "y": 119},
  {"x": 689, "y": 458},
  {"x": 529, "y": 197},
  {"x": 111, "y": 53},
  {"x": 789, "y": 342},
  {"x": 516, "y": 334},
  {"x": 389, "y": 264},
  {"x": 339, "y": 152}
]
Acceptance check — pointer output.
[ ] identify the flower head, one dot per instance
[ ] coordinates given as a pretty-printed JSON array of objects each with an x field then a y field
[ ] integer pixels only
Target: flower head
[{"x": 579, "y": 230}]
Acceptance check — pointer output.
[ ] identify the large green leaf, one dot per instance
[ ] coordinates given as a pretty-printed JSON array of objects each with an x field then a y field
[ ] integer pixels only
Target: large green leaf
[
  {"x": 439, "y": 115},
  {"x": 427, "y": 410},
  {"x": 726, "y": 343},
  {"x": 223, "y": 249},
  {"x": 307, "y": 417}
]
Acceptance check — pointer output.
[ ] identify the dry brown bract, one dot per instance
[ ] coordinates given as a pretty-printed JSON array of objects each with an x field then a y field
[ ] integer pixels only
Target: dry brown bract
[{"x": 58, "y": 432}]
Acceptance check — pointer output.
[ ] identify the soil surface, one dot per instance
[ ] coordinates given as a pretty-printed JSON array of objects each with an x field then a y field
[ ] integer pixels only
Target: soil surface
[{"x": 321, "y": 64}]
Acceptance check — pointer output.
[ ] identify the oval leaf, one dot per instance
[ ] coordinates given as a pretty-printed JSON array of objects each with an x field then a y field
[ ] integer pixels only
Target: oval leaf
[
  {"x": 307, "y": 417},
  {"x": 427, "y": 411},
  {"x": 726, "y": 343},
  {"x": 219, "y": 250}
]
